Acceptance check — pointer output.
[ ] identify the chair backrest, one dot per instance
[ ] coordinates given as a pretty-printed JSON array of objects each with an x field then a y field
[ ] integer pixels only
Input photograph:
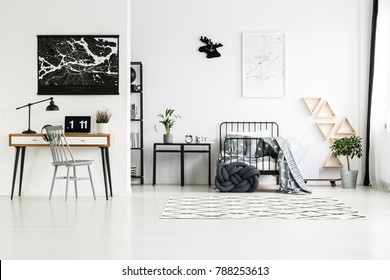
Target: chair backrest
[{"x": 59, "y": 147}]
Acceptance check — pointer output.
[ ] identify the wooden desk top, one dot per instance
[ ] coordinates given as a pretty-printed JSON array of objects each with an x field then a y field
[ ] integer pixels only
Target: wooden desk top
[{"x": 74, "y": 139}]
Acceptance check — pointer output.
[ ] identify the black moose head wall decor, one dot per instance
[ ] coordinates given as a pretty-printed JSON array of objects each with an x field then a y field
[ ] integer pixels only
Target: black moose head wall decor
[{"x": 210, "y": 49}]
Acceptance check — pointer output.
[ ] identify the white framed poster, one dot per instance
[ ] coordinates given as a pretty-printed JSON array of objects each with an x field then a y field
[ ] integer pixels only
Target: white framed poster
[{"x": 263, "y": 64}]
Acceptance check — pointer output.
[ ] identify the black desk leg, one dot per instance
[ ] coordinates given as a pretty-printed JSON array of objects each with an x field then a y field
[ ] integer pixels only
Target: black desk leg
[
  {"x": 182, "y": 164},
  {"x": 21, "y": 169},
  {"x": 104, "y": 170},
  {"x": 154, "y": 164},
  {"x": 15, "y": 171},
  {"x": 108, "y": 169}
]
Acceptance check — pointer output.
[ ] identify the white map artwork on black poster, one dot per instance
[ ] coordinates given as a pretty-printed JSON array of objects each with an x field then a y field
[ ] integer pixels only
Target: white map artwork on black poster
[
  {"x": 78, "y": 65},
  {"x": 263, "y": 64}
]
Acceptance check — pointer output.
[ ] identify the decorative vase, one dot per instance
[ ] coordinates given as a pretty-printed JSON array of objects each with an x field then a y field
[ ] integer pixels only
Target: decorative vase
[
  {"x": 168, "y": 138},
  {"x": 102, "y": 128},
  {"x": 133, "y": 74},
  {"x": 348, "y": 179}
]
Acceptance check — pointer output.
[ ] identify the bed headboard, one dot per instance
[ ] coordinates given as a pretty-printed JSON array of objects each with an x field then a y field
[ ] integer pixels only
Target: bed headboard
[{"x": 226, "y": 128}]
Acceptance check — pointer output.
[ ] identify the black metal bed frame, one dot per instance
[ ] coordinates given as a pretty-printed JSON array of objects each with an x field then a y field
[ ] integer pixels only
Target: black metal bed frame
[{"x": 236, "y": 127}]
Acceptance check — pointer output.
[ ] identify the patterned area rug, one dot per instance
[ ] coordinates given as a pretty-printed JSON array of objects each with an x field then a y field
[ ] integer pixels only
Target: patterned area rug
[{"x": 244, "y": 207}]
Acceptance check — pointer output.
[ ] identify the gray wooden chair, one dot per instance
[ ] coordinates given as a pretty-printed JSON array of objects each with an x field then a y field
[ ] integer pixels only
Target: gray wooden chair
[{"x": 62, "y": 156}]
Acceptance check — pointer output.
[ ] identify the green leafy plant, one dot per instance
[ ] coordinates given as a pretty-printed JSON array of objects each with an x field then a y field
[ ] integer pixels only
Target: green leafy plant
[
  {"x": 103, "y": 116},
  {"x": 348, "y": 147},
  {"x": 168, "y": 119}
]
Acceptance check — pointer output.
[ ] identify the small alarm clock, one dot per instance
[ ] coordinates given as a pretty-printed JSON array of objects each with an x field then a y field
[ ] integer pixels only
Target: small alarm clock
[{"x": 188, "y": 139}]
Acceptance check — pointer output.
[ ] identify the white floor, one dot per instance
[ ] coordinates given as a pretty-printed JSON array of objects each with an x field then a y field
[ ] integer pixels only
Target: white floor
[{"x": 130, "y": 228}]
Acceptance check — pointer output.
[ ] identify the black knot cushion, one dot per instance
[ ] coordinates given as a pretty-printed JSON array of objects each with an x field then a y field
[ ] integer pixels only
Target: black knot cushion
[{"x": 236, "y": 177}]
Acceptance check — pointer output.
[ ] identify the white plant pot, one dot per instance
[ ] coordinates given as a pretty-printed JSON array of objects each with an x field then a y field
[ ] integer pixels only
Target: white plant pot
[{"x": 102, "y": 128}]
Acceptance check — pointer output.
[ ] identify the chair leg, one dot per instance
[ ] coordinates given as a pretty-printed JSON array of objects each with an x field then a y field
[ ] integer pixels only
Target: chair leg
[
  {"x": 75, "y": 180},
  {"x": 90, "y": 178},
  {"x": 52, "y": 182},
  {"x": 67, "y": 182}
]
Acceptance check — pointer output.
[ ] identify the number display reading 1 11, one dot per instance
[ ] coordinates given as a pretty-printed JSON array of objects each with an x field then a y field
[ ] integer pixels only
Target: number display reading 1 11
[{"x": 78, "y": 124}]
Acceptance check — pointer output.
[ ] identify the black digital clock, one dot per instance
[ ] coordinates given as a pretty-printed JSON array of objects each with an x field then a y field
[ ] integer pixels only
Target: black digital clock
[{"x": 80, "y": 124}]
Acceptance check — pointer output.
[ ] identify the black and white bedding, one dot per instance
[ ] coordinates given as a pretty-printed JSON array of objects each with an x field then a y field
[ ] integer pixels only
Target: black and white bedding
[
  {"x": 248, "y": 146},
  {"x": 245, "y": 149},
  {"x": 266, "y": 153}
]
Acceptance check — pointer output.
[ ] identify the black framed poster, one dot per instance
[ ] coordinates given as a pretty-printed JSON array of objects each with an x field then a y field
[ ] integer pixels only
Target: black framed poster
[{"x": 78, "y": 64}]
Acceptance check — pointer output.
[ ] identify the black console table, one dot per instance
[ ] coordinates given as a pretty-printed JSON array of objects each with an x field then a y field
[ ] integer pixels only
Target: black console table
[{"x": 181, "y": 148}]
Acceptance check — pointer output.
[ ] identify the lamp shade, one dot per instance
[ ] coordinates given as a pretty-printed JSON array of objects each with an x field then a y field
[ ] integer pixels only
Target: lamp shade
[{"x": 52, "y": 106}]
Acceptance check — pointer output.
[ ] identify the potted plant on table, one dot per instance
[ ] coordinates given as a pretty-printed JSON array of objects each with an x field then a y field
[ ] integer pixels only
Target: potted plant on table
[
  {"x": 348, "y": 147},
  {"x": 102, "y": 118},
  {"x": 168, "y": 119}
]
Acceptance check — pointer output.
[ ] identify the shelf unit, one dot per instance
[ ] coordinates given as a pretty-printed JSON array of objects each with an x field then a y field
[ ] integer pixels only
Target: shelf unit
[{"x": 137, "y": 124}]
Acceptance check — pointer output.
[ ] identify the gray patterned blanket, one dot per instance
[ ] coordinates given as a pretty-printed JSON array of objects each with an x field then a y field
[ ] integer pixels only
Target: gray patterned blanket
[{"x": 291, "y": 180}]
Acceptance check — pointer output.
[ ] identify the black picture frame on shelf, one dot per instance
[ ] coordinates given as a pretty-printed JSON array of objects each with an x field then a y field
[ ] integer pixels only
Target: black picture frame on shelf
[
  {"x": 78, "y": 64},
  {"x": 136, "y": 77}
]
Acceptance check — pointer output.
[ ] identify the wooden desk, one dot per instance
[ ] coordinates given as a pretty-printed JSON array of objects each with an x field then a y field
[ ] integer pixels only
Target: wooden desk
[
  {"x": 21, "y": 141},
  {"x": 182, "y": 148}
]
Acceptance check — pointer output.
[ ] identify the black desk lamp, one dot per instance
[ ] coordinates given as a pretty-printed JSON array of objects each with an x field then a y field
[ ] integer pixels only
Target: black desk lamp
[{"x": 51, "y": 107}]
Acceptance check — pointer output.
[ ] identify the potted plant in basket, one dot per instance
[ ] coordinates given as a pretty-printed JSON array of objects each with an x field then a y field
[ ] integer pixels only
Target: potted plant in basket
[
  {"x": 348, "y": 147},
  {"x": 102, "y": 118},
  {"x": 168, "y": 119}
]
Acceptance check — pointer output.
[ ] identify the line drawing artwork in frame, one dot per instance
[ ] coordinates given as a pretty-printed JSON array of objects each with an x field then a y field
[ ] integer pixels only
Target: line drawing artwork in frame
[
  {"x": 78, "y": 64},
  {"x": 263, "y": 64}
]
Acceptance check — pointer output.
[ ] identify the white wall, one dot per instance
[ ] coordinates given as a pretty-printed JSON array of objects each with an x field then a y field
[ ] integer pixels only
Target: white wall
[
  {"x": 20, "y": 22},
  {"x": 325, "y": 50},
  {"x": 326, "y": 56}
]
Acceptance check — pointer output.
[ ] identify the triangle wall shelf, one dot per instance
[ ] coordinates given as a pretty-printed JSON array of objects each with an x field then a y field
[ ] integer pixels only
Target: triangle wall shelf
[
  {"x": 326, "y": 111},
  {"x": 333, "y": 161},
  {"x": 345, "y": 128},
  {"x": 312, "y": 103},
  {"x": 326, "y": 128}
]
